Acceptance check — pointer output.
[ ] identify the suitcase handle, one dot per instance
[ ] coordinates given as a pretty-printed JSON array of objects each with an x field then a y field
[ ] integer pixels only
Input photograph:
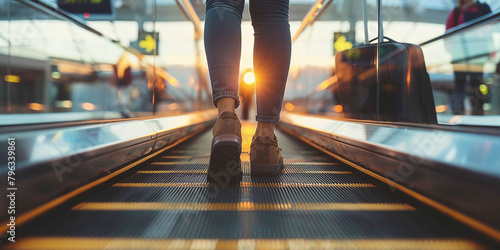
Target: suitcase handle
[{"x": 389, "y": 39}]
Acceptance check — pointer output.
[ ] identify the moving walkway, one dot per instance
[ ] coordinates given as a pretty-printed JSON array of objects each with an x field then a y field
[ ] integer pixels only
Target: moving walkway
[
  {"x": 94, "y": 180},
  {"x": 317, "y": 201}
]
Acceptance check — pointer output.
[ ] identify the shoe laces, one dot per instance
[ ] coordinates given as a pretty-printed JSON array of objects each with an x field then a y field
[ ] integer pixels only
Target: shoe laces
[
  {"x": 272, "y": 142},
  {"x": 262, "y": 140}
]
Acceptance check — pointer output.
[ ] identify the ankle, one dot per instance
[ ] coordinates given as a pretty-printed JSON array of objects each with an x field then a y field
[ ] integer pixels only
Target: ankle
[
  {"x": 226, "y": 104},
  {"x": 265, "y": 129}
]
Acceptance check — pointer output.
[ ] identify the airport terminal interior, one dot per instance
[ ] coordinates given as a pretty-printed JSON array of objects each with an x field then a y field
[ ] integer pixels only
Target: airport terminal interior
[{"x": 389, "y": 128}]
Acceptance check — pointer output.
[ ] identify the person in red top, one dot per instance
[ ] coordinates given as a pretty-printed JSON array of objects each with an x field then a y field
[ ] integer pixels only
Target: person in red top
[{"x": 467, "y": 10}]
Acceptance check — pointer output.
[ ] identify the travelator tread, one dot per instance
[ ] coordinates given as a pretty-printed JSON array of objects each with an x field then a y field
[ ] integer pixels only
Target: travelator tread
[{"x": 325, "y": 206}]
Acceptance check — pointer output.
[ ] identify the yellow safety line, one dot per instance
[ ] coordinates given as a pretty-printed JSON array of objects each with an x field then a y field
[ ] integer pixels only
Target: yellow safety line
[
  {"x": 492, "y": 232},
  {"x": 241, "y": 206},
  {"x": 257, "y": 244},
  {"x": 172, "y": 172},
  {"x": 176, "y": 157},
  {"x": 286, "y": 163},
  {"x": 205, "y": 171},
  {"x": 314, "y": 172},
  {"x": 176, "y": 163},
  {"x": 246, "y": 184},
  {"x": 312, "y": 163},
  {"x": 23, "y": 218}
]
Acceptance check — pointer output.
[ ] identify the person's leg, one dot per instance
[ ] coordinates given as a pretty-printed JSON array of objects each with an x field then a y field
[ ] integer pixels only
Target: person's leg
[
  {"x": 476, "y": 97},
  {"x": 225, "y": 104},
  {"x": 223, "y": 49},
  {"x": 265, "y": 129},
  {"x": 458, "y": 93},
  {"x": 272, "y": 50}
]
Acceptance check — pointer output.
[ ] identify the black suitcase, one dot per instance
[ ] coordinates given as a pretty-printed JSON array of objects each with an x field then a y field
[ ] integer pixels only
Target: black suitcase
[{"x": 405, "y": 88}]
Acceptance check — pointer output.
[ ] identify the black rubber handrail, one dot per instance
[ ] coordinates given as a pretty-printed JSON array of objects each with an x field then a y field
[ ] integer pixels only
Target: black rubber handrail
[
  {"x": 63, "y": 15},
  {"x": 481, "y": 21}
]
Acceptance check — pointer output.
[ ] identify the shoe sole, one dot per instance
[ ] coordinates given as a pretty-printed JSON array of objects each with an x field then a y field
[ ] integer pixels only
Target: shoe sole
[
  {"x": 225, "y": 163},
  {"x": 266, "y": 169}
]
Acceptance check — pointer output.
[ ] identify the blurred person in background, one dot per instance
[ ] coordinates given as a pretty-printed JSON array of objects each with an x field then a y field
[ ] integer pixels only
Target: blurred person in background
[{"x": 462, "y": 55}]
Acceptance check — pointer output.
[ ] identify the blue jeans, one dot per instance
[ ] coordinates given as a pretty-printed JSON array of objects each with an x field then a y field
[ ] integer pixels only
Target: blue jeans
[{"x": 271, "y": 55}]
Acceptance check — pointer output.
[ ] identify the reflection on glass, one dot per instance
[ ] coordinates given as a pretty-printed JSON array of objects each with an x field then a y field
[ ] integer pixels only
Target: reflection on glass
[
  {"x": 464, "y": 71},
  {"x": 58, "y": 67},
  {"x": 464, "y": 68},
  {"x": 312, "y": 81},
  {"x": 467, "y": 65}
]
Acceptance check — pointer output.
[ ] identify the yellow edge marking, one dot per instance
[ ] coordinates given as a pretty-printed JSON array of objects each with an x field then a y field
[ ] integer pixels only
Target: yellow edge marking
[
  {"x": 60, "y": 200},
  {"x": 311, "y": 163},
  {"x": 316, "y": 172},
  {"x": 492, "y": 232},
  {"x": 289, "y": 163},
  {"x": 176, "y": 157},
  {"x": 139, "y": 243},
  {"x": 172, "y": 172},
  {"x": 241, "y": 206},
  {"x": 176, "y": 163},
  {"x": 205, "y": 171},
  {"x": 245, "y": 184}
]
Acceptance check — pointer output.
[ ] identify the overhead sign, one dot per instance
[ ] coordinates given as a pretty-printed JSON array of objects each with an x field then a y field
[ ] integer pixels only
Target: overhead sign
[
  {"x": 147, "y": 44},
  {"x": 343, "y": 41},
  {"x": 88, "y": 9}
]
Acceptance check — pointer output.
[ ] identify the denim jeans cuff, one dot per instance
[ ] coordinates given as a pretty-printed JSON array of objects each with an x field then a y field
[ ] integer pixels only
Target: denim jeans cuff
[
  {"x": 264, "y": 118},
  {"x": 218, "y": 95}
]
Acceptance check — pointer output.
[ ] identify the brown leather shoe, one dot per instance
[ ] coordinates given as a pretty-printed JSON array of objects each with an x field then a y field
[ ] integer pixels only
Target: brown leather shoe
[
  {"x": 265, "y": 156},
  {"x": 225, "y": 164}
]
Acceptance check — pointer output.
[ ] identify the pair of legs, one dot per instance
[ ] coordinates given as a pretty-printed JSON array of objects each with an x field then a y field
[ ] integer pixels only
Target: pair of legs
[
  {"x": 272, "y": 49},
  {"x": 263, "y": 128},
  {"x": 462, "y": 89}
]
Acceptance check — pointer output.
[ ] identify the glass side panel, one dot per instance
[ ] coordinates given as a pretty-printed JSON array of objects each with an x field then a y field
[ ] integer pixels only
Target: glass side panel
[
  {"x": 463, "y": 66},
  {"x": 53, "y": 69},
  {"x": 464, "y": 71},
  {"x": 451, "y": 81},
  {"x": 312, "y": 83}
]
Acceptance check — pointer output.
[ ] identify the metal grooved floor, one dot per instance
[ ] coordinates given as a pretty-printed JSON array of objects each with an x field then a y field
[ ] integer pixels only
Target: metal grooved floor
[{"x": 316, "y": 203}]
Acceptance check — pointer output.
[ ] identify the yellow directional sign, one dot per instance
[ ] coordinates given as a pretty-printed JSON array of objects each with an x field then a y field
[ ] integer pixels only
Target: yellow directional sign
[
  {"x": 343, "y": 41},
  {"x": 342, "y": 44},
  {"x": 147, "y": 44}
]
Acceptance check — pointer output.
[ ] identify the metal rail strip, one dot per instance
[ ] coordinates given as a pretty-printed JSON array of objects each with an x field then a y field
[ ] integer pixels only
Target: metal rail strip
[
  {"x": 311, "y": 16},
  {"x": 439, "y": 168},
  {"x": 314, "y": 203},
  {"x": 57, "y": 163},
  {"x": 478, "y": 22},
  {"x": 188, "y": 10}
]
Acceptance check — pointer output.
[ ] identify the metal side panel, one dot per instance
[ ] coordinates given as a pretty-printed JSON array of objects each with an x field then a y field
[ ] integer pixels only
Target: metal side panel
[
  {"x": 53, "y": 145},
  {"x": 315, "y": 203},
  {"x": 457, "y": 170},
  {"x": 170, "y": 123},
  {"x": 173, "y": 127},
  {"x": 56, "y": 161}
]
